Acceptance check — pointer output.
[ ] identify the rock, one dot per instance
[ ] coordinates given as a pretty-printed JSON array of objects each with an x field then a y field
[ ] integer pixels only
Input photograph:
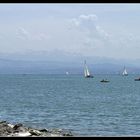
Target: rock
[
  {"x": 67, "y": 134},
  {"x": 35, "y": 132},
  {"x": 10, "y": 125},
  {"x": 23, "y": 134},
  {"x": 44, "y": 130},
  {"x": 7, "y": 129},
  {"x": 2, "y": 122},
  {"x": 55, "y": 135},
  {"x": 17, "y": 126}
]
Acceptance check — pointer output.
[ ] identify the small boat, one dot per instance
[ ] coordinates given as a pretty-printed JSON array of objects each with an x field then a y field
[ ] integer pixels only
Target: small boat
[
  {"x": 124, "y": 72},
  {"x": 86, "y": 72},
  {"x": 137, "y": 79},
  {"x": 104, "y": 81}
]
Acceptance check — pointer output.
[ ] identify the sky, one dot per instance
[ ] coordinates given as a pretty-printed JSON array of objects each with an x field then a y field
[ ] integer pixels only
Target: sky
[{"x": 83, "y": 30}]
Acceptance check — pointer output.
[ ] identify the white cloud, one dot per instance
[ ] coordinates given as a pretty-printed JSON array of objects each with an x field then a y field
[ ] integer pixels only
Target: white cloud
[
  {"x": 88, "y": 17},
  {"x": 43, "y": 36},
  {"x": 102, "y": 32},
  {"x": 75, "y": 22},
  {"x": 88, "y": 36},
  {"x": 104, "y": 42},
  {"x": 22, "y": 33},
  {"x": 88, "y": 24},
  {"x": 84, "y": 21},
  {"x": 95, "y": 35}
]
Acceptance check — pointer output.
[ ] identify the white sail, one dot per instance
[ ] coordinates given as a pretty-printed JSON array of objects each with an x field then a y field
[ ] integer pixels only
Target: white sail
[
  {"x": 125, "y": 72},
  {"x": 86, "y": 71}
]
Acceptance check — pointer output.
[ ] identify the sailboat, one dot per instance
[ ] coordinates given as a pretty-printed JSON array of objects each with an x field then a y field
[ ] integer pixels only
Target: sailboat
[
  {"x": 124, "y": 72},
  {"x": 86, "y": 72}
]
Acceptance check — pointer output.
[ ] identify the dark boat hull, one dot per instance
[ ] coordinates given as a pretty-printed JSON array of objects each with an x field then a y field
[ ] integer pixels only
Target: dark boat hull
[
  {"x": 104, "y": 81},
  {"x": 90, "y": 76},
  {"x": 137, "y": 79},
  {"x": 125, "y": 75}
]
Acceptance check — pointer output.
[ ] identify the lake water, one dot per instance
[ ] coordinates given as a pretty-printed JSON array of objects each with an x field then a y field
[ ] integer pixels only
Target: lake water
[{"x": 86, "y": 107}]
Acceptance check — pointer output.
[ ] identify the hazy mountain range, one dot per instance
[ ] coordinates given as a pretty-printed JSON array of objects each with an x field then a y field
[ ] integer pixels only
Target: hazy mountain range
[{"x": 59, "y": 63}]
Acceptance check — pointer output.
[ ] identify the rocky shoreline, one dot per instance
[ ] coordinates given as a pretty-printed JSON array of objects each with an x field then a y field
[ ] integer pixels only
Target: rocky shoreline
[{"x": 19, "y": 130}]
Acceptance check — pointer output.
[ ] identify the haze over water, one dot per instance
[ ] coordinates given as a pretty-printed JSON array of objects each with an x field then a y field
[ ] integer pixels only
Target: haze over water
[{"x": 85, "y": 106}]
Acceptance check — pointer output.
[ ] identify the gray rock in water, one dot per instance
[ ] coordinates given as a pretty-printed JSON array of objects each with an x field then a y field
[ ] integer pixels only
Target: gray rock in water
[
  {"x": 7, "y": 129},
  {"x": 17, "y": 126},
  {"x": 35, "y": 132},
  {"x": 44, "y": 130},
  {"x": 1, "y": 122}
]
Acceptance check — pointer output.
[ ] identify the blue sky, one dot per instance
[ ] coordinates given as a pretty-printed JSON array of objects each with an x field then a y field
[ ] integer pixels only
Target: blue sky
[{"x": 94, "y": 30}]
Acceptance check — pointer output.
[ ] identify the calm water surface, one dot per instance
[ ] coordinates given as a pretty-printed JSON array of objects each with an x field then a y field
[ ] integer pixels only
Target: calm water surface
[{"x": 84, "y": 106}]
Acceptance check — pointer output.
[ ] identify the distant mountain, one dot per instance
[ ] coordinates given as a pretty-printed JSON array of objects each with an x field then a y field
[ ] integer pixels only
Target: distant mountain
[
  {"x": 60, "y": 67},
  {"x": 110, "y": 68},
  {"x": 58, "y": 62}
]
